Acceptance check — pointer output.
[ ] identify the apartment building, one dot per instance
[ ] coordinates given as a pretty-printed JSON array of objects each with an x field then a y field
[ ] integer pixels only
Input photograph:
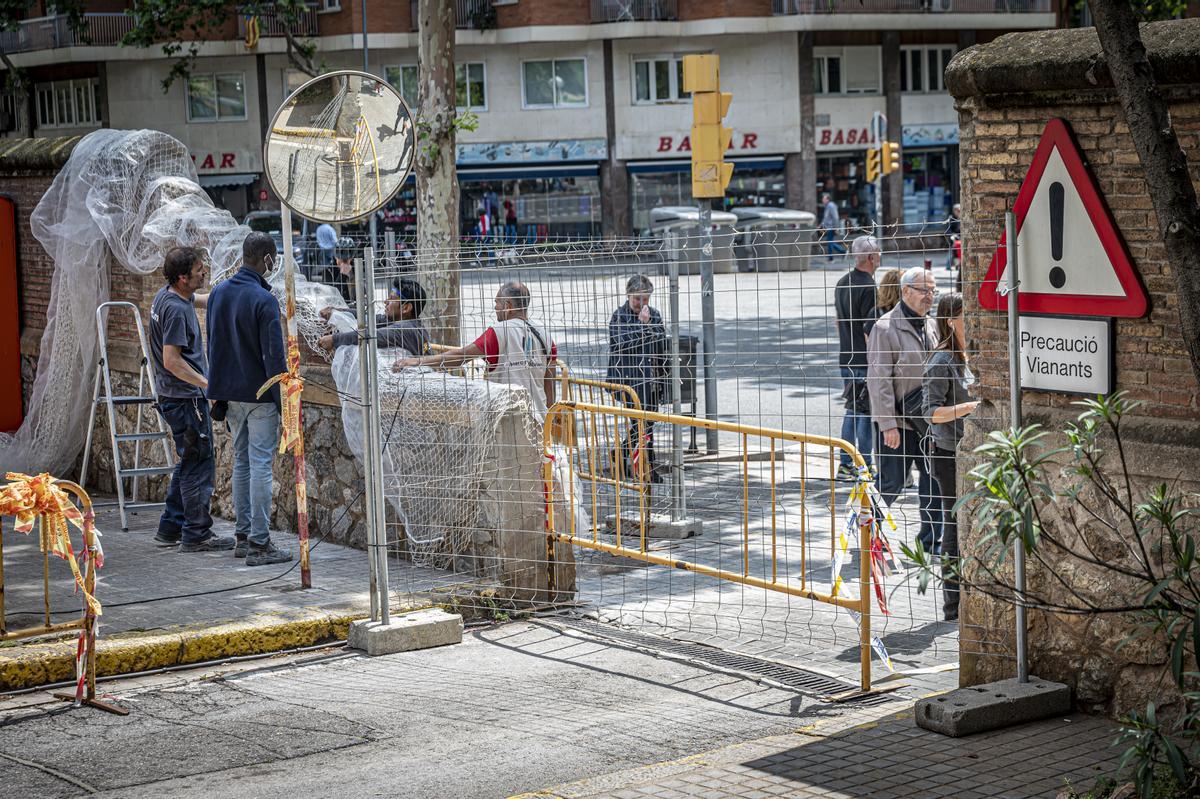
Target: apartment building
[{"x": 583, "y": 123}]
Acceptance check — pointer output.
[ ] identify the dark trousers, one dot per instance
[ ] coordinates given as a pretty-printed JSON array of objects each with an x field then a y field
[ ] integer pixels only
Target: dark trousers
[
  {"x": 945, "y": 471},
  {"x": 187, "y": 513},
  {"x": 647, "y": 399},
  {"x": 894, "y": 468}
]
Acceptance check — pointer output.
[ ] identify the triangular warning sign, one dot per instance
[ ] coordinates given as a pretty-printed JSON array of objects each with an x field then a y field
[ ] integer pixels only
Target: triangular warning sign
[{"x": 1071, "y": 257}]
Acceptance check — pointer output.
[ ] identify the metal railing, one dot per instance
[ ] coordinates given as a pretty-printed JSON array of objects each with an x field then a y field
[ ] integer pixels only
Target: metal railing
[
  {"x": 468, "y": 15},
  {"x": 273, "y": 25},
  {"x": 634, "y": 10},
  {"x": 784, "y": 7},
  {"x": 46, "y": 33},
  {"x": 766, "y": 556}
]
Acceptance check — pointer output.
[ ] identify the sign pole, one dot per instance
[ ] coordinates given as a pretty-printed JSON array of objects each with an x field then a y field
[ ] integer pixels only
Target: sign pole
[
  {"x": 708, "y": 309},
  {"x": 877, "y": 129},
  {"x": 677, "y": 498},
  {"x": 293, "y": 364},
  {"x": 1014, "y": 382}
]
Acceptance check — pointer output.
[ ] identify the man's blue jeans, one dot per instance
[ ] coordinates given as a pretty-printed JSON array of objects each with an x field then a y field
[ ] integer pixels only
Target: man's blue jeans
[
  {"x": 255, "y": 429},
  {"x": 187, "y": 515},
  {"x": 856, "y": 427},
  {"x": 833, "y": 246}
]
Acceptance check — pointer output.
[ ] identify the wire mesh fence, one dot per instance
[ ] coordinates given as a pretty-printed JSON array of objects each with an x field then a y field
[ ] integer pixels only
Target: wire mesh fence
[{"x": 468, "y": 449}]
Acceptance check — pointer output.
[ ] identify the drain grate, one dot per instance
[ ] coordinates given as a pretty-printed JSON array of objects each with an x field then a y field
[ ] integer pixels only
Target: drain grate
[{"x": 780, "y": 675}]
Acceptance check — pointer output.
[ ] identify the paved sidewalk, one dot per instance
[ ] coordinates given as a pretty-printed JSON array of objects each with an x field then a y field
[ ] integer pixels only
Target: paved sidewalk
[{"x": 886, "y": 759}]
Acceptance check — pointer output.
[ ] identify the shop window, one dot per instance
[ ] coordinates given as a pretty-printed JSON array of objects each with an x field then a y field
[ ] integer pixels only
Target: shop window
[
  {"x": 404, "y": 79},
  {"x": 561, "y": 83},
  {"x": 469, "y": 86},
  {"x": 216, "y": 97},
  {"x": 68, "y": 104},
  {"x": 545, "y": 208},
  {"x": 922, "y": 68},
  {"x": 929, "y": 185},
  {"x": 658, "y": 80},
  {"x": 827, "y": 74}
]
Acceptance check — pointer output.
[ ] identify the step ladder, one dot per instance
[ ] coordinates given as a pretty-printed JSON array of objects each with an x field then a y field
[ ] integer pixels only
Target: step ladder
[{"x": 145, "y": 401}]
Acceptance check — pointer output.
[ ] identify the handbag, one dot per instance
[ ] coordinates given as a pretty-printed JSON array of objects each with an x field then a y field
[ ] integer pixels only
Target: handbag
[
  {"x": 856, "y": 397},
  {"x": 911, "y": 408}
]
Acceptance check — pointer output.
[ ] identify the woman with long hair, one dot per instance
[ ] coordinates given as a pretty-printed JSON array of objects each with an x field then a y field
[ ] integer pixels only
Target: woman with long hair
[{"x": 946, "y": 401}]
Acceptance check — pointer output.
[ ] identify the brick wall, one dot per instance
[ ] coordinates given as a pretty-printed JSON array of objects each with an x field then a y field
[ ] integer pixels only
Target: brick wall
[{"x": 1006, "y": 91}]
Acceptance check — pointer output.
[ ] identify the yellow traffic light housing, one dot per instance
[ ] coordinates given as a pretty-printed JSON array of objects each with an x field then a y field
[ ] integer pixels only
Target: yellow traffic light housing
[
  {"x": 891, "y": 157},
  {"x": 709, "y": 139},
  {"x": 874, "y": 164}
]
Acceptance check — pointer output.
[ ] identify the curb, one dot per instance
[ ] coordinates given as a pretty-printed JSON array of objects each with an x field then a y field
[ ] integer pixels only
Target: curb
[{"x": 37, "y": 664}]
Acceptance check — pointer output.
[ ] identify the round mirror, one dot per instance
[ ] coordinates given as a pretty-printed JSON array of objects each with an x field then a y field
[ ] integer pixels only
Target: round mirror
[{"x": 340, "y": 147}]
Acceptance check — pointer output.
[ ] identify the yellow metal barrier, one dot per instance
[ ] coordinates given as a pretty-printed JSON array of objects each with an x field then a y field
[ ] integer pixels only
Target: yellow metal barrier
[{"x": 860, "y": 605}]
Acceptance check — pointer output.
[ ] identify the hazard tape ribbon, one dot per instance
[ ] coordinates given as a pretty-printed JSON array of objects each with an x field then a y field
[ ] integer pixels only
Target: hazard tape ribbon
[{"x": 291, "y": 386}]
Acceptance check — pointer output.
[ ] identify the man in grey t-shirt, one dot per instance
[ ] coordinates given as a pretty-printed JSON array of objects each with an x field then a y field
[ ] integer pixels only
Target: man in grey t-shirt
[{"x": 180, "y": 376}]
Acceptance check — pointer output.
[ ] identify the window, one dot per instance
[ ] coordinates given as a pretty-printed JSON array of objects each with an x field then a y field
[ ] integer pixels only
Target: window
[
  {"x": 469, "y": 86},
  {"x": 554, "y": 84},
  {"x": 68, "y": 104},
  {"x": 827, "y": 74},
  {"x": 331, "y": 5},
  {"x": 658, "y": 80},
  {"x": 216, "y": 97},
  {"x": 922, "y": 68},
  {"x": 404, "y": 79}
]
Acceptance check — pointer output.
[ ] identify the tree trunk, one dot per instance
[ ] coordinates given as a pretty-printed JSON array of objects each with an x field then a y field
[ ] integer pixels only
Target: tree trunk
[
  {"x": 437, "y": 179},
  {"x": 1165, "y": 166}
]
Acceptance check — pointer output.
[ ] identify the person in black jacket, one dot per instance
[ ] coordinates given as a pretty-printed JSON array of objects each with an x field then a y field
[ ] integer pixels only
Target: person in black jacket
[
  {"x": 637, "y": 357},
  {"x": 854, "y": 303},
  {"x": 945, "y": 403}
]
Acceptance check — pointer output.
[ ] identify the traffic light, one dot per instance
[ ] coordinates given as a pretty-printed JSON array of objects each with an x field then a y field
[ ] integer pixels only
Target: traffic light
[
  {"x": 710, "y": 139},
  {"x": 874, "y": 164},
  {"x": 891, "y": 157}
]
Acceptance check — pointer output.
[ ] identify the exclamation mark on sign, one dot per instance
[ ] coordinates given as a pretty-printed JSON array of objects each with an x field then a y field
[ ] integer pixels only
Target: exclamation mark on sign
[{"x": 1058, "y": 275}]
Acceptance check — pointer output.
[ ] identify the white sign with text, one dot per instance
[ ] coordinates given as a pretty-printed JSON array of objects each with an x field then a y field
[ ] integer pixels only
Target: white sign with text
[{"x": 1066, "y": 354}]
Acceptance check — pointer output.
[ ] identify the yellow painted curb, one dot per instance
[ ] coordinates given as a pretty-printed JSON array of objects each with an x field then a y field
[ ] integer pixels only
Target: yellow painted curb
[{"x": 36, "y": 664}]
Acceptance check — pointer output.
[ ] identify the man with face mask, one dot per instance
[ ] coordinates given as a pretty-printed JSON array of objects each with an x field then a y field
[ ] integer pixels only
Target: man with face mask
[{"x": 245, "y": 349}]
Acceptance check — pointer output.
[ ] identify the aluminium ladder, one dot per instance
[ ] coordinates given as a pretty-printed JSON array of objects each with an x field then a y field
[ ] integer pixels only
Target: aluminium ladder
[{"x": 142, "y": 401}]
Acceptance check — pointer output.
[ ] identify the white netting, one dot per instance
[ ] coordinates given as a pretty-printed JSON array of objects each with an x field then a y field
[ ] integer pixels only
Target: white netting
[{"x": 129, "y": 195}]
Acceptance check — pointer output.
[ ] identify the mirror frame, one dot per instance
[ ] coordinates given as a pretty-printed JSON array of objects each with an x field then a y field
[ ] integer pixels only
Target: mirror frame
[{"x": 279, "y": 112}]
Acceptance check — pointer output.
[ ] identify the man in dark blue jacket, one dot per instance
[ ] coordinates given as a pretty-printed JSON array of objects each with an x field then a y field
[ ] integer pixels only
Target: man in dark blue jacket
[
  {"x": 245, "y": 349},
  {"x": 637, "y": 357}
]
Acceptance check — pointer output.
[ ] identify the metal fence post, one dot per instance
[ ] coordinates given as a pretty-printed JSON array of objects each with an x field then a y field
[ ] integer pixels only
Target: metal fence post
[
  {"x": 363, "y": 304},
  {"x": 1014, "y": 383},
  {"x": 707, "y": 304},
  {"x": 677, "y": 498},
  {"x": 375, "y": 432}
]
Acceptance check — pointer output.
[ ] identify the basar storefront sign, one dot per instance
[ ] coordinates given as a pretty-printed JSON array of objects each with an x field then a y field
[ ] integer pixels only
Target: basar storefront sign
[{"x": 743, "y": 142}]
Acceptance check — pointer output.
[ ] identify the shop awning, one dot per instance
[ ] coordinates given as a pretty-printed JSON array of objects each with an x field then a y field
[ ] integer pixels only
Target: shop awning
[
  {"x": 244, "y": 179},
  {"x": 766, "y": 163},
  {"x": 530, "y": 172}
]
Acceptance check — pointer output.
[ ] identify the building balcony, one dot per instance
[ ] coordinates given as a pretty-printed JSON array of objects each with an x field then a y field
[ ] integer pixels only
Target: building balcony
[
  {"x": 271, "y": 25},
  {"x": 636, "y": 10},
  {"x": 784, "y": 7},
  {"x": 468, "y": 15},
  {"x": 47, "y": 33}
]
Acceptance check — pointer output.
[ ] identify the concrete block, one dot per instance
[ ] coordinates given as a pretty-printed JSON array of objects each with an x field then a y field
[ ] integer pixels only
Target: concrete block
[
  {"x": 657, "y": 526},
  {"x": 420, "y": 629},
  {"x": 992, "y": 706}
]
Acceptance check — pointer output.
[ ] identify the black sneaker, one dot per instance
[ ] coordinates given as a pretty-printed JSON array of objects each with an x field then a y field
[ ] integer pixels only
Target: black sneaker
[
  {"x": 242, "y": 548},
  {"x": 214, "y": 543},
  {"x": 166, "y": 539},
  {"x": 265, "y": 556}
]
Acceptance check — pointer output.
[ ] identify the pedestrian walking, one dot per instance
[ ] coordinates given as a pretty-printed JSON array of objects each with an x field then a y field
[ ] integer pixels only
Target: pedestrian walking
[
  {"x": 518, "y": 351},
  {"x": 886, "y": 296},
  {"x": 831, "y": 223},
  {"x": 245, "y": 348},
  {"x": 637, "y": 358},
  {"x": 510, "y": 222},
  {"x": 398, "y": 327},
  {"x": 946, "y": 401},
  {"x": 854, "y": 301},
  {"x": 180, "y": 378},
  {"x": 326, "y": 241},
  {"x": 953, "y": 232},
  {"x": 897, "y": 349}
]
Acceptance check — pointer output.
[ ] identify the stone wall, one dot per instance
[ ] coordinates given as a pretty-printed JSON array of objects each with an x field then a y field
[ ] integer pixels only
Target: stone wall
[
  {"x": 510, "y": 547},
  {"x": 1006, "y": 91}
]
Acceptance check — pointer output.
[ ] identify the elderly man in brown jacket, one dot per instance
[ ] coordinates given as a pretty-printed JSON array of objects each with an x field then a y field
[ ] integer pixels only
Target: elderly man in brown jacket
[{"x": 897, "y": 349}]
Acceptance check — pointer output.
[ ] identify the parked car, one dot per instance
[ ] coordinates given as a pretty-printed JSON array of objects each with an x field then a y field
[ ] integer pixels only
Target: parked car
[{"x": 271, "y": 223}]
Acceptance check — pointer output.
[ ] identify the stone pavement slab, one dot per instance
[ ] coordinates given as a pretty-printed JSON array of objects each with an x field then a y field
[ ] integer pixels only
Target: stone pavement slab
[{"x": 887, "y": 758}]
